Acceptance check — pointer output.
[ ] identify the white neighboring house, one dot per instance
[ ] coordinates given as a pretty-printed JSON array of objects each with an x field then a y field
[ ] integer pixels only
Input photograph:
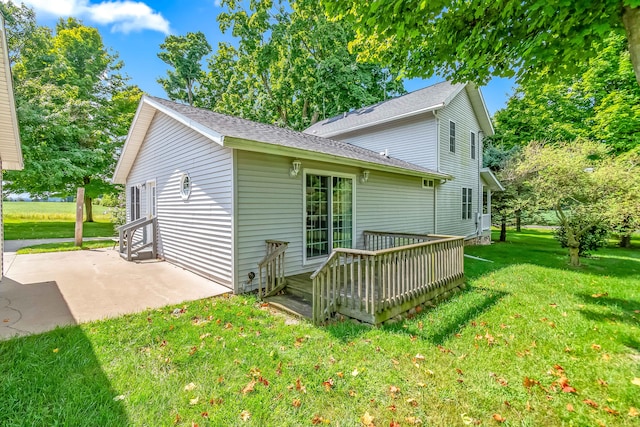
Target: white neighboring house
[
  {"x": 221, "y": 192},
  {"x": 10, "y": 150},
  {"x": 440, "y": 127}
]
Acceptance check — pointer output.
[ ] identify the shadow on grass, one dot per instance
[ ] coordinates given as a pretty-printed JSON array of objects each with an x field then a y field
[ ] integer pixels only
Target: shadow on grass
[
  {"x": 56, "y": 379},
  {"x": 538, "y": 247},
  {"x": 630, "y": 308},
  {"x": 451, "y": 317}
]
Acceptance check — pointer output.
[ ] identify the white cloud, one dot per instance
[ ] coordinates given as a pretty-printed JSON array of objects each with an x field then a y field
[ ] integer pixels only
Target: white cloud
[{"x": 123, "y": 15}]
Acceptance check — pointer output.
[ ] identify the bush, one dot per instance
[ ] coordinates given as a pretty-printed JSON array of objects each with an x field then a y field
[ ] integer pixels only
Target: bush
[
  {"x": 119, "y": 211},
  {"x": 592, "y": 239},
  {"x": 110, "y": 200}
]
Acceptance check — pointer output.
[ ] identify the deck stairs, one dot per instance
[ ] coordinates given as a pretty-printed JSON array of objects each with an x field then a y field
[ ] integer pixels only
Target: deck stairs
[{"x": 296, "y": 297}]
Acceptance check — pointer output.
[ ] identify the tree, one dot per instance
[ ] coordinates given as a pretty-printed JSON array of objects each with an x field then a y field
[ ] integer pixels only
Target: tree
[
  {"x": 72, "y": 105},
  {"x": 291, "y": 66},
  {"x": 510, "y": 203},
  {"x": 601, "y": 102},
  {"x": 184, "y": 54},
  {"x": 575, "y": 180},
  {"x": 474, "y": 40}
]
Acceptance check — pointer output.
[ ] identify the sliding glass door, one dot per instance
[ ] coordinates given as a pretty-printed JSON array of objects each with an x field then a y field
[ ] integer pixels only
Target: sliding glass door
[{"x": 329, "y": 214}]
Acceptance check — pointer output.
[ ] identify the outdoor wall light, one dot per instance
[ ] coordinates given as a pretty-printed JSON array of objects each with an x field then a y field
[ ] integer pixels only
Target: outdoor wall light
[
  {"x": 295, "y": 168},
  {"x": 364, "y": 177}
]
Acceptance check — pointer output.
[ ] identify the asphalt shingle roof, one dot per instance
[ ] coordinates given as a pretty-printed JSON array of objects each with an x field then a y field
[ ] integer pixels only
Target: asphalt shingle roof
[
  {"x": 431, "y": 96},
  {"x": 235, "y": 127}
]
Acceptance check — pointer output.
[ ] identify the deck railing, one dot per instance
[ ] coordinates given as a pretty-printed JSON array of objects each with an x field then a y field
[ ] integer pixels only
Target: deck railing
[
  {"x": 136, "y": 236},
  {"x": 365, "y": 283},
  {"x": 273, "y": 267}
]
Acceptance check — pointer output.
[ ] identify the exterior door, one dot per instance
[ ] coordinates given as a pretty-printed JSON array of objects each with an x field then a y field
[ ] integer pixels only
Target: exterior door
[
  {"x": 329, "y": 214},
  {"x": 151, "y": 199}
]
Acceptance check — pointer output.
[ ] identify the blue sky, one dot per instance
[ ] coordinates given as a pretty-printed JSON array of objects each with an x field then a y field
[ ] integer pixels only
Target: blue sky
[{"x": 135, "y": 29}]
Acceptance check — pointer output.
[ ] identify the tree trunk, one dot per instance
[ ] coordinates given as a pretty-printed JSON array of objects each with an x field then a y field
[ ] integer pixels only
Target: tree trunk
[
  {"x": 625, "y": 241},
  {"x": 574, "y": 248},
  {"x": 503, "y": 230},
  {"x": 631, "y": 21},
  {"x": 88, "y": 208},
  {"x": 518, "y": 221}
]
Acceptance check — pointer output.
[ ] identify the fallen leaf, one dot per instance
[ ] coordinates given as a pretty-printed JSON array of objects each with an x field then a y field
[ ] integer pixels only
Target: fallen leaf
[
  {"x": 499, "y": 418},
  {"x": 418, "y": 357},
  {"x": 340, "y": 374},
  {"x": 392, "y": 408},
  {"x": 6, "y": 320},
  {"x": 119, "y": 397},
  {"x": 602, "y": 382},
  {"x": 554, "y": 305},
  {"x": 228, "y": 325},
  {"x": 328, "y": 384},
  {"x": 528, "y": 407},
  {"x": 590, "y": 403},
  {"x": 249, "y": 387},
  {"x": 367, "y": 419},
  {"x": 611, "y": 411},
  {"x": 355, "y": 373},
  {"x": 55, "y": 350},
  {"x": 570, "y": 407},
  {"x": 296, "y": 403},
  {"x": 529, "y": 382},
  {"x": 204, "y": 414},
  {"x": 414, "y": 421},
  {"x": 245, "y": 415},
  {"x": 317, "y": 419},
  {"x": 352, "y": 393},
  {"x": 189, "y": 387},
  {"x": 300, "y": 387},
  {"x": 466, "y": 420},
  {"x": 395, "y": 423},
  {"x": 412, "y": 402},
  {"x": 596, "y": 347},
  {"x": 635, "y": 381},
  {"x": 600, "y": 295},
  {"x": 633, "y": 412},
  {"x": 194, "y": 401},
  {"x": 393, "y": 389}
]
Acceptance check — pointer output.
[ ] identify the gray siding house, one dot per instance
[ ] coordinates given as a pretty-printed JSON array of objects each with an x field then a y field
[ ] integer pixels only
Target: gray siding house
[
  {"x": 10, "y": 149},
  {"x": 225, "y": 195},
  {"x": 440, "y": 127}
]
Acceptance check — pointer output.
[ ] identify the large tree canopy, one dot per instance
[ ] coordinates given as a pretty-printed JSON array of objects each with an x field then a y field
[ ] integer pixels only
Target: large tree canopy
[
  {"x": 291, "y": 66},
  {"x": 600, "y": 102},
  {"x": 474, "y": 40},
  {"x": 184, "y": 54},
  {"x": 73, "y": 106}
]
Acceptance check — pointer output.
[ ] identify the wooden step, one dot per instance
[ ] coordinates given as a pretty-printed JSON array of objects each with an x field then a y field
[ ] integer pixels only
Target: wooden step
[
  {"x": 300, "y": 286},
  {"x": 291, "y": 304}
]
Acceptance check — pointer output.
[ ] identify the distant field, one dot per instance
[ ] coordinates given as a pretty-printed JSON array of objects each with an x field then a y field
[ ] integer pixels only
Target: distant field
[
  {"x": 43, "y": 220},
  {"x": 49, "y": 211}
]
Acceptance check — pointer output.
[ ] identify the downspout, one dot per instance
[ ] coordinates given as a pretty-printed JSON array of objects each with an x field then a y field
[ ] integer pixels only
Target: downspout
[
  {"x": 436, "y": 187},
  {"x": 480, "y": 193}
]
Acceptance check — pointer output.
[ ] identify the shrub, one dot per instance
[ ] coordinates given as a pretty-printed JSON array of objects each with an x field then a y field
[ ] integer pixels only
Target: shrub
[
  {"x": 110, "y": 200},
  {"x": 594, "y": 238}
]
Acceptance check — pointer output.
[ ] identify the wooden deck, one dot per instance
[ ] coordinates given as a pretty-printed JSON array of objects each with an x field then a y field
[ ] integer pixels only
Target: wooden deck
[{"x": 397, "y": 272}]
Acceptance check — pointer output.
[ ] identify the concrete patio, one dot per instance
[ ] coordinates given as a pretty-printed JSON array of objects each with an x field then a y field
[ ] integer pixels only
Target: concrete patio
[{"x": 42, "y": 291}]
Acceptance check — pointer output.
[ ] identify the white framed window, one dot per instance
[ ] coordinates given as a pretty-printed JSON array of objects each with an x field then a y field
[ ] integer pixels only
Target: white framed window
[
  {"x": 134, "y": 202},
  {"x": 427, "y": 183},
  {"x": 452, "y": 136},
  {"x": 185, "y": 186},
  {"x": 472, "y": 143},
  {"x": 329, "y": 212},
  {"x": 467, "y": 199}
]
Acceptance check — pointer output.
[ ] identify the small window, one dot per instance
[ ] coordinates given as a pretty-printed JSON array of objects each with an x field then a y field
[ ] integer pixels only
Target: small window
[
  {"x": 427, "y": 183},
  {"x": 452, "y": 137},
  {"x": 134, "y": 203},
  {"x": 466, "y": 203},
  {"x": 185, "y": 186},
  {"x": 473, "y": 145}
]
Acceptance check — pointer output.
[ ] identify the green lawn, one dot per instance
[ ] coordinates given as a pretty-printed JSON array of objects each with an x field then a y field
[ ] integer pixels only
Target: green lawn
[
  {"x": 531, "y": 341},
  {"x": 65, "y": 247},
  {"x": 42, "y": 220}
]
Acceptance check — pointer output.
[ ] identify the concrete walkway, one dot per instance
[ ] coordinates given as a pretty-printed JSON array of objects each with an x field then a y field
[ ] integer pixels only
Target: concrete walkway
[{"x": 42, "y": 291}]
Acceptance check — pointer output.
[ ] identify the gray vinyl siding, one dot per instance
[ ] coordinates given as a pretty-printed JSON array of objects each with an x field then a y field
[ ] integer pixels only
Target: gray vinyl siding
[
  {"x": 270, "y": 206},
  {"x": 412, "y": 140},
  {"x": 1, "y": 228},
  {"x": 194, "y": 233},
  {"x": 459, "y": 164}
]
